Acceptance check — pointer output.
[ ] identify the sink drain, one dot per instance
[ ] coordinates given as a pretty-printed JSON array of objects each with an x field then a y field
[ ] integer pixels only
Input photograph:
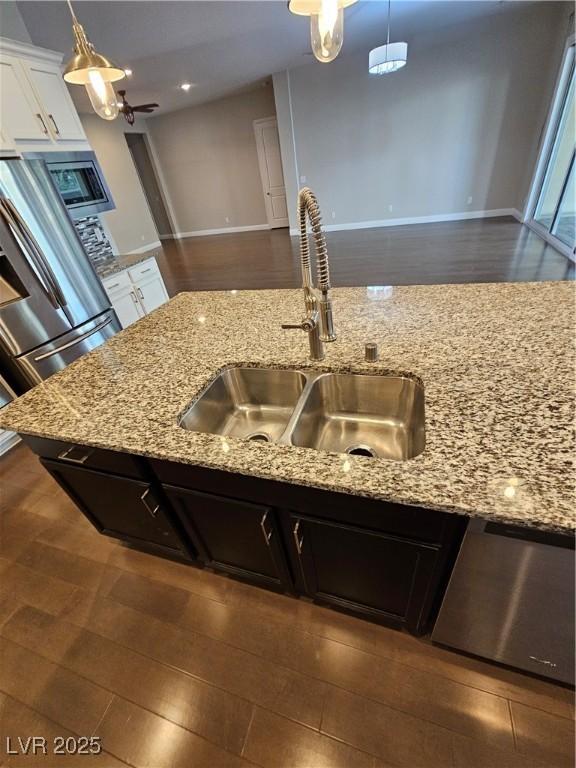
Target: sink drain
[
  {"x": 259, "y": 437},
  {"x": 361, "y": 450}
]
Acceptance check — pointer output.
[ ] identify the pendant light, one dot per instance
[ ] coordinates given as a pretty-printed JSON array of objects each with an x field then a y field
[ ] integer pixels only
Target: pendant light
[
  {"x": 94, "y": 71},
  {"x": 326, "y": 24},
  {"x": 387, "y": 58}
]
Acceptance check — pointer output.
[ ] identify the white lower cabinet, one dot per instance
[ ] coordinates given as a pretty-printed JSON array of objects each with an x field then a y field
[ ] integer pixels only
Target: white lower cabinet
[
  {"x": 127, "y": 307},
  {"x": 152, "y": 293},
  {"x": 136, "y": 291}
]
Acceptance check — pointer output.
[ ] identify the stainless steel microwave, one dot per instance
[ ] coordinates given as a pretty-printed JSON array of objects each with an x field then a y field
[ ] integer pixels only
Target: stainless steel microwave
[{"x": 79, "y": 180}]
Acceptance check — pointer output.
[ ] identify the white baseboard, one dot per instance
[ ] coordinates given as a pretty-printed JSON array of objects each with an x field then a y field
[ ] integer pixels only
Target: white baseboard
[
  {"x": 221, "y": 231},
  {"x": 144, "y": 248},
  {"x": 7, "y": 441},
  {"x": 433, "y": 219}
]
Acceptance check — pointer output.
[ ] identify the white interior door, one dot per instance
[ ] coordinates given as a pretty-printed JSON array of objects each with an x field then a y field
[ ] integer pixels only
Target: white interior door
[{"x": 270, "y": 162}]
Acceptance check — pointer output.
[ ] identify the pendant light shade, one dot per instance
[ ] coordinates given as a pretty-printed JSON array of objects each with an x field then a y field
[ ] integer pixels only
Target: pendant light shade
[
  {"x": 97, "y": 73},
  {"x": 326, "y": 24},
  {"x": 387, "y": 58}
]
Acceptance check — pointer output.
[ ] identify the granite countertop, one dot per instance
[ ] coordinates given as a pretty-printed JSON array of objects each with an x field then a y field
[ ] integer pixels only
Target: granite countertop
[
  {"x": 121, "y": 262},
  {"x": 496, "y": 360}
]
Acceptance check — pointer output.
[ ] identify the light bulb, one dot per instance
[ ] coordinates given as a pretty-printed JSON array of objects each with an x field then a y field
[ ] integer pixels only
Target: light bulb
[
  {"x": 102, "y": 95},
  {"x": 327, "y": 30}
]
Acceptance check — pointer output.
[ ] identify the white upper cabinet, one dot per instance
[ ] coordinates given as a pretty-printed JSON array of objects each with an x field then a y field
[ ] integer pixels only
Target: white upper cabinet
[
  {"x": 63, "y": 120},
  {"x": 20, "y": 112},
  {"x": 36, "y": 110}
]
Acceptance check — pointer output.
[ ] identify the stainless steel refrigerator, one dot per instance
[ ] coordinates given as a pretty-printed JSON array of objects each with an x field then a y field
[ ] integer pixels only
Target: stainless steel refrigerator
[{"x": 52, "y": 305}]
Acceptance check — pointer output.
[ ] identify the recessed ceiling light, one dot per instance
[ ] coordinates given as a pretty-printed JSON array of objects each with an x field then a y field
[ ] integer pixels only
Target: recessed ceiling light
[
  {"x": 186, "y": 86},
  {"x": 128, "y": 72}
]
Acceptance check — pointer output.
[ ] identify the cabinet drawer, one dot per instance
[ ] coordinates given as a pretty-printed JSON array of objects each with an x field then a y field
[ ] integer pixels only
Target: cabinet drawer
[
  {"x": 144, "y": 271},
  {"x": 84, "y": 456},
  {"x": 118, "y": 282}
]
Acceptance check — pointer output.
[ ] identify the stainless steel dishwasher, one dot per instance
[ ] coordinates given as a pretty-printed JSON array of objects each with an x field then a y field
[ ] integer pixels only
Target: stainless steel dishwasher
[{"x": 511, "y": 599}]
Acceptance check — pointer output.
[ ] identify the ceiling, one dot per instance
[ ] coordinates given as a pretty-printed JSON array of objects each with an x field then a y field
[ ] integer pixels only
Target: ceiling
[{"x": 221, "y": 47}]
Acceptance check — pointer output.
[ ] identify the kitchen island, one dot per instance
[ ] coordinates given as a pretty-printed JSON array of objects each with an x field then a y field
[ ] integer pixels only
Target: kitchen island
[
  {"x": 371, "y": 536},
  {"x": 496, "y": 362}
]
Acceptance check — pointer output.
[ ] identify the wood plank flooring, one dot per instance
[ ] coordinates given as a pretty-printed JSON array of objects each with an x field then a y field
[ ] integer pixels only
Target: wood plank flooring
[
  {"x": 176, "y": 667},
  {"x": 477, "y": 251}
]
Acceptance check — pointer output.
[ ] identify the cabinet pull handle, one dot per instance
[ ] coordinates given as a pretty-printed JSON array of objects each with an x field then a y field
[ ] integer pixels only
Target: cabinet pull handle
[
  {"x": 154, "y": 511},
  {"x": 299, "y": 542},
  {"x": 114, "y": 285},
  {"x": 65, "y": 457},
  {"x": 54, "y": 124},
  {"x": 134, "y": 299},
  {"x": 39, "y": 116},
  {"x": 267, "y": 534},
  {"x": 140, "y": 293},
  {"x": 146, "y": 270}
]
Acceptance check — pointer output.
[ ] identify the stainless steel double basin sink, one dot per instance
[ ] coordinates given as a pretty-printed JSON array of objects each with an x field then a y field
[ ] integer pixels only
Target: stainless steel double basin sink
[{"x": 358, "y": 414}]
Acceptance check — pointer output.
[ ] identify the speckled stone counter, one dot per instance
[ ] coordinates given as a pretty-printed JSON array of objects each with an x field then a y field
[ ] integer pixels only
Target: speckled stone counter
[
  {"x": 496, "y": 361},
  {"x": 120, "y": 263}
]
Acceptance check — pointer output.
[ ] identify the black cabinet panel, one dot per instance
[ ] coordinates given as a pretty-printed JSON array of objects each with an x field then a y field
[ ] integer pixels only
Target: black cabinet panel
[
  {"x": 89, "y": 458},
  {"x": 397, "y": 519},
  {"x": 371, "y": 573},
  {"x": 232, "y": 535},
  {"x": 117, "y": 506}
]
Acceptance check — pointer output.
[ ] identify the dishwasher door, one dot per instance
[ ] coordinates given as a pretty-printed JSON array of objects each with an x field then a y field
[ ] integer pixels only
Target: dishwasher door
[{"x": 511, "y": 599}]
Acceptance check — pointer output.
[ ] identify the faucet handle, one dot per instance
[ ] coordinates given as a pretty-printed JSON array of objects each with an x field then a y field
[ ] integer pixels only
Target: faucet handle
[{"x": 307, "y": 324}]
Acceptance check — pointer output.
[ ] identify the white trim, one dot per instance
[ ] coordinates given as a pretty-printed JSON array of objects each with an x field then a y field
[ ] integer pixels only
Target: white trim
[
  {"x": 433, "y": 219},
  {"x": 29, "y": 51},
  {"x": 157, "y": 166},
  {"x": 144, "y": 248},
  {"x": 221, "y": 231},
  {"x": 292, "y": 129},
  {"x": 7, "y": 441},
  {"x": 549, "y": 131}
]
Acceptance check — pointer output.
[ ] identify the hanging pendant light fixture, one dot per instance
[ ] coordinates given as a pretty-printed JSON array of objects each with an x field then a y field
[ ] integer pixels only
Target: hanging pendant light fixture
[
  {"x": 326, "y": 25},
  {"x": 94, "y": 71},
  {"x": 389, "y": 57}
]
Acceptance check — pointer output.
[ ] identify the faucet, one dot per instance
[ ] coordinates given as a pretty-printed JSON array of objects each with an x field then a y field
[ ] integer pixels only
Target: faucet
[{"x": 318, "y": 321}]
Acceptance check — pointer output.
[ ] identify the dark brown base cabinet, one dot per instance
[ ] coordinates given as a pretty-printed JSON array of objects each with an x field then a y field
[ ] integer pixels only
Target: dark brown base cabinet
[{"x": 385, "y": 562}]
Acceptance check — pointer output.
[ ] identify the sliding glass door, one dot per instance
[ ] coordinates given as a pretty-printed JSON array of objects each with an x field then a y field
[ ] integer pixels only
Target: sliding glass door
[{"x": 553, "y": 211}]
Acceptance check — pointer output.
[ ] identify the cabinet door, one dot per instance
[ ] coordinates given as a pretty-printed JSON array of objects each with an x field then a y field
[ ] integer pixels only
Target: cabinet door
[
  {"x": 20, "y": 112},
  {"x": 127, "y": 307},
  {"x": 233, "y": 536},
  {"x": 59, "y": 109},
  {"x": 117, "y": 506},
  {"x": 370, "y": 573},
  {"x": 152, "y": 293}
]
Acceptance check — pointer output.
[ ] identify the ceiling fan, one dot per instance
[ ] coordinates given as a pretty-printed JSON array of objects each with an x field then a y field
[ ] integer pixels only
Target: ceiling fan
[{"x": 128, "y": 111}]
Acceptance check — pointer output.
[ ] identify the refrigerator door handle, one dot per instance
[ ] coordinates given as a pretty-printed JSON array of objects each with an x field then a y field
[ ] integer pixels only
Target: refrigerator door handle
[
  {"x": 23, "y": 233},
  {"x": 75, "y": 341}
]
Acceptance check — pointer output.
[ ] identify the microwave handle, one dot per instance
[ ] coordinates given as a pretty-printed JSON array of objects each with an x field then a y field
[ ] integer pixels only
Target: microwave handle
[{"x": 21, "y": 230}]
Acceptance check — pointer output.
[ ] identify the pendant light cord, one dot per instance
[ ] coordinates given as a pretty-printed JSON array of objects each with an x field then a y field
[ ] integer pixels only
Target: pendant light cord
[
  {"x": 387, "y": 36},
  {"x": 72, "y": 10}
]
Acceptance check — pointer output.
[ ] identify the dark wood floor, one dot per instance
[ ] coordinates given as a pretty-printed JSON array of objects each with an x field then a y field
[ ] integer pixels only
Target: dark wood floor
[
  {"x": 175, "y": 667},
  {"x": 489, "y": 250}
]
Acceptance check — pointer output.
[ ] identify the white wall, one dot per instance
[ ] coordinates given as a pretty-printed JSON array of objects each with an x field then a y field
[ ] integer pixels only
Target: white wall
[
  {"x": 11, "y": 22},
  {"x": 460, "y": 121},
  {"x": 130, "y": 224},
  {"x": 209, "y": 163}
]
